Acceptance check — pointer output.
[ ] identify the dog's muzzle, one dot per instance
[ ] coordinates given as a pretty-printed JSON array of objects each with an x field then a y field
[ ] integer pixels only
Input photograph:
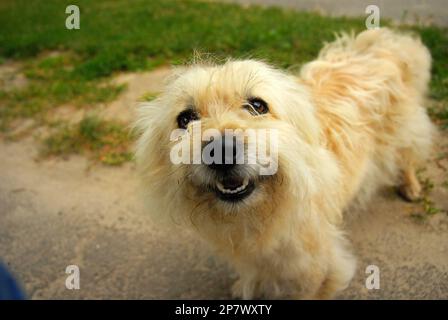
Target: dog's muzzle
[{"x": 232, "y": 184}]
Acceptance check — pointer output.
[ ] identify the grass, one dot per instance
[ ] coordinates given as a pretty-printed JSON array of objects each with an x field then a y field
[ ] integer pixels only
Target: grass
[
  {"x": 102, "y": 141},
  {"x": 439, "y": 112},
  {"x": 445, "y": 184},
  {"x": 131, "y": 35},
  {"x": 149, "y": 96},
  {"x": 428, "y": 208},
  {"x": 52, "y": 84},
  {"x": 427, "y": 205}
]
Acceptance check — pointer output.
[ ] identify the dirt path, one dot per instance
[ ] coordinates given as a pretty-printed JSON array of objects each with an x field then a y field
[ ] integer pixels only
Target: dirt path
[{"x": 54, "y": 213}]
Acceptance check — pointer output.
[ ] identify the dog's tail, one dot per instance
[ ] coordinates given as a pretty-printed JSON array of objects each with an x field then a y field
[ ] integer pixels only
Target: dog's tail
[{"x": 406, "y": 51}]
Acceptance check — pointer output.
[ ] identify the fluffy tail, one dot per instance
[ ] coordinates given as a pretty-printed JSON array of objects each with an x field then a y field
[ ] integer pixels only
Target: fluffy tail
[{"x": 405, "y": 50}]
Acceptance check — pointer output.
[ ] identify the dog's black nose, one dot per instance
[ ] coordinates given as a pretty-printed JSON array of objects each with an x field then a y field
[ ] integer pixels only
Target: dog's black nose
[{"x": 223, "y": 153}]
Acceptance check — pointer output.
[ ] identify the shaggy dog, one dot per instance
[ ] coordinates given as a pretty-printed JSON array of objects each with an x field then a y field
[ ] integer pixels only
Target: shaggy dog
[{"x": 351, "y": 121}]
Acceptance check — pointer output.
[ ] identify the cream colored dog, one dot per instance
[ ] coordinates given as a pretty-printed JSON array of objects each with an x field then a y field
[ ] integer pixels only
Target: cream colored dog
[{"x": 352, "y": 120}]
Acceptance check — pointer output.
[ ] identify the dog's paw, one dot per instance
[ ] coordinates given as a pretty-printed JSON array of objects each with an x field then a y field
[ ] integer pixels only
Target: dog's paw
[
  {"x": 410, "y": 192},
  {"x": 237, "y": 290}
]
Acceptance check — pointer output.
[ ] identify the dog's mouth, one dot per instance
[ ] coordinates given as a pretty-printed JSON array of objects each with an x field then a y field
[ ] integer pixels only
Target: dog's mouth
[{"x": 234, "y": 188}]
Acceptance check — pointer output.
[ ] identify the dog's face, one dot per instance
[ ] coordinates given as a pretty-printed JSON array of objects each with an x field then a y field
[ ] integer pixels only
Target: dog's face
[{"x": 254, "y": 128}]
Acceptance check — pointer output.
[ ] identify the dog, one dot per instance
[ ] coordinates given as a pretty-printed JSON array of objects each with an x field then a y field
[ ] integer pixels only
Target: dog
[{"x": 347, "y": 123}]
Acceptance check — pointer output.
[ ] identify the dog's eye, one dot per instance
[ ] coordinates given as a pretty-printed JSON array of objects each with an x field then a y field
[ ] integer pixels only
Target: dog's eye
[
  {"x": 256, "y": 106},
  {"x": 185, "y": 117}
]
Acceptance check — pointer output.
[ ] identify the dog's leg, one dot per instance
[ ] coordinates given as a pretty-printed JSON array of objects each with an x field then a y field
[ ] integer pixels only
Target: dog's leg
[
  {"x": 340, "y": 271},
  {"x": 336, "y": 280},
  {"x": 257, "y": 282},
  {"x": 418, "y": 133},
  {"x": 323, "y": 275},
  {"x": 244, "y": 288},
  {"x": 410, "y": 188}
]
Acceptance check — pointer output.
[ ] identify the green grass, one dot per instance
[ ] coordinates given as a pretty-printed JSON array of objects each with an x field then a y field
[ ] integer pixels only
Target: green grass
[
  {"x": 437, "y": 41},
  {"x": 51, "y": 84},
  {"x": 439, "y": 112},
  {"x": 130, "y": 35},
  {"x": 427, "y": 206},
  {"x": 103, "y": 141},
  {"x": 149, "y": 96},
  {"x": 125, "y": 35}
]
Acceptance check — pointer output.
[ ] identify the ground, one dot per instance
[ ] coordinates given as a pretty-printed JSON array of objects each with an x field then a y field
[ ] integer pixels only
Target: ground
[
  {"x": 68, "y": 186},
  {"x": 58, "y": 212}
]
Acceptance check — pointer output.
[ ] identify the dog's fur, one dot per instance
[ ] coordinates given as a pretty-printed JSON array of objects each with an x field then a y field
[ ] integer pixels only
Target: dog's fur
[{"x": 352, "y": 120}]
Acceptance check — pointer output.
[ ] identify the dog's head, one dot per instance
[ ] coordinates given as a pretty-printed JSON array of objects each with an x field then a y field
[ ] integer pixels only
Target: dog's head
[{"x": 229, "y": 138}]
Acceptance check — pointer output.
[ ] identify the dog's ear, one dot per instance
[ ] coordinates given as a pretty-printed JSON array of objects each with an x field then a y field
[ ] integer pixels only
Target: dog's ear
[
  {"x": 151, "y": 131},
  {"x": 150, "y": 115},
  {"x": 175, "y": 74},
  {"x": 298, "y": 110}
]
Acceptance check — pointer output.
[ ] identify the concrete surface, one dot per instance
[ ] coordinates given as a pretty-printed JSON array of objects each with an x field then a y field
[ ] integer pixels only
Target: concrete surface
[
  {"x": 401, "y": 11},
  {"x": 55, "y": 213}
]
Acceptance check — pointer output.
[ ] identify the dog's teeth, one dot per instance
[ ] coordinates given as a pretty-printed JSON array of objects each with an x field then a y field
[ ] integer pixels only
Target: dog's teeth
[{"x": 221, "y": 187}]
